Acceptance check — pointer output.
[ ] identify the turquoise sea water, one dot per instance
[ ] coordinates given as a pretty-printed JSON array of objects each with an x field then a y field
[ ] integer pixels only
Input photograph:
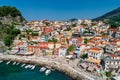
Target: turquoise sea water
[{"x": 16, "y": 72}]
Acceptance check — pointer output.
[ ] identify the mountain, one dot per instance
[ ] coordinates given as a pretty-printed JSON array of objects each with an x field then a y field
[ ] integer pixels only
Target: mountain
[{"x": 112, "y": 17}]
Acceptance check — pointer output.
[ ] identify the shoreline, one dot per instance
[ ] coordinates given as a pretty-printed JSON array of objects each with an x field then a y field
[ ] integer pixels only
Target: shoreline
[{"x": 47, "y": 63}]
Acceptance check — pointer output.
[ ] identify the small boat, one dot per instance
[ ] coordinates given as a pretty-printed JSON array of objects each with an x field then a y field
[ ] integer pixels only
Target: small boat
[
  {"x": 22, "y": 65},
  {"x": 26, "y": 66},
  {"x": 8, "y": 62},
  {"x": 42, "y": 69},
  {"x": 18, "y": 63},
  {"x": 33, "y": 67},
  {"x": 1, "y": 61},
  {"x": 14, "y": 63},
  {"x": 47, "y": 72}
]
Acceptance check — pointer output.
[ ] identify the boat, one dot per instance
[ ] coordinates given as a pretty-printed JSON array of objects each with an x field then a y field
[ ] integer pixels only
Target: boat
[
  {"x": 22, "y": 65},
  {"x": 33, "y": 67},
  {"x": 14, "y": 63},
  {"x": 26, "y": 66},
  {"x": 47, "y": 72},
  {"x": 42, "y": 69},
  {"x": 1, "y": 61},
  {"x": 8, "y": 62},
  {"x": 18, "y": 63}
]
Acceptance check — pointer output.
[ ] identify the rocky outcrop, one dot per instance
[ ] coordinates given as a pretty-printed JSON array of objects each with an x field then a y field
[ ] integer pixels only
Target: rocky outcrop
[{"x": 56, "y": 65}]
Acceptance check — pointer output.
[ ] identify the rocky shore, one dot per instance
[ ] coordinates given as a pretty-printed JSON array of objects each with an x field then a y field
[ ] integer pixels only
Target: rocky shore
[{"x": 75, "y": 75}]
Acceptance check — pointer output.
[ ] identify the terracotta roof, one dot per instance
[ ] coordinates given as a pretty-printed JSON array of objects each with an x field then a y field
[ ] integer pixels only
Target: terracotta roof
[
  {"x": 20, "y": 43},
  {"x": 113, "y": 29},
  {"x": 63, "y": 47},
  {"x": 47, "y": 30},
  {"x": 118, "y": 51},
  {"x": 104, "y": 36},
  {"x": 50, "y": 42},
  {"x": 95, "y": 48}
]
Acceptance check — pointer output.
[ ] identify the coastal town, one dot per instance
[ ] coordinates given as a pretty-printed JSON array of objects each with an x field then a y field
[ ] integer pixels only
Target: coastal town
[{"x": 89, "y": 47}]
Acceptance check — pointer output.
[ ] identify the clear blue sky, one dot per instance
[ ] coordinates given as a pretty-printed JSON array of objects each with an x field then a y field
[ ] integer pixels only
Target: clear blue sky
[{"x": 62, "y": 9}]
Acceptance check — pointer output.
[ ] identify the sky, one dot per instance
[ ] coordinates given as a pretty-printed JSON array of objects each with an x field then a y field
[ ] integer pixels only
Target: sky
[{"x": 62, "y": 9}]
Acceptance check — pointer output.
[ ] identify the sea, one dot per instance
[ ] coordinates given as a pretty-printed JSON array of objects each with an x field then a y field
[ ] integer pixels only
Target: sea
[{"x": 16, "y": 72}]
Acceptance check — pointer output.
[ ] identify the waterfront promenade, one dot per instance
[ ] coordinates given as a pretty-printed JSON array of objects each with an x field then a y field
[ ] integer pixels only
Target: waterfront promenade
[{"x": 59, "y": 63}]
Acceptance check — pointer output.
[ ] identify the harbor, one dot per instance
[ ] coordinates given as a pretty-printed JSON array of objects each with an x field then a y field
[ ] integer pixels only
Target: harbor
[
  {"x": 70, "y": 71},
  {"x": 16, "y": 72}
]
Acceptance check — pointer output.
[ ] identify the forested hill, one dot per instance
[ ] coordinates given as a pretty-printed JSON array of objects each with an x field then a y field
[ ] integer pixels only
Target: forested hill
[
  {"x": 10, "y": 15},
  {"x": 112, "y": 17},
  {"x": 9, "y": 18}
]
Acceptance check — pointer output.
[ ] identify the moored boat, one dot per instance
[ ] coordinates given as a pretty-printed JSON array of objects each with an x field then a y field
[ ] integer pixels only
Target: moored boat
[
  {"x": 8, "y": 62},
  {"x": 33, "y": 67},
  {"x": 1, "y": 61},
  {"x": 22, "y": 65},
  {"x": 42, "y": 69},
  {"x": 14, "y": 63},
  {"x": 47, "y": 72}
]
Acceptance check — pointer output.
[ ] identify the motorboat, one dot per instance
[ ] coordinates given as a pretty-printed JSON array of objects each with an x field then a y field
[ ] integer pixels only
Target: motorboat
[
  {"x": 47, "y": 72},
  {"x": 42, "y": 69},
  {"x": 33, "y": 67},
  {"x": 18, "y": 63},
  {"x": 14, "y": 63},
  {"x": 8, "y": 62},
  {"x": 1, "y": 61},
  {"x": 22, "y": 65}
]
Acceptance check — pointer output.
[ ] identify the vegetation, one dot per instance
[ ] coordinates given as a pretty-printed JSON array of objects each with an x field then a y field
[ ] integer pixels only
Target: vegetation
[
  {"x": 8, "y": 11},
  {"x": 29, "y": 31},
  {"x": 84, "y": 56},
  {"x": 11, "y": 33},
  {"x": 68, "y": 29},
  {"x": 53, "y": 40},
  {"x": 8, "y": 30},
  {"x": 112, "y": 18},
  {"x": 34, "y": 34},
  {"x": 108, "y": 74},
  {"x": 70, "y": 48},
  {"x": 74, "y": 25},
  {"x": 86, "y": 41}
]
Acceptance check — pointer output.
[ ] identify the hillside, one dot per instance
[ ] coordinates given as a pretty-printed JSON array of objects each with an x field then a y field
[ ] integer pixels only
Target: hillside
[
  {"x": 9, "y": 18},
  {"x": 112, "y": 17},
  {"x": 10, "y": 15}
]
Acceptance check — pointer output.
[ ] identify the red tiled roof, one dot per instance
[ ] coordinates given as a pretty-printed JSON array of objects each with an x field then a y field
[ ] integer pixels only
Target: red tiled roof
[
  {"x": 47, "y": 30},
  {"x": 95, "y": 48},
  {"x": 20, "y": 43},
  {"x": 117, "y": 51}
]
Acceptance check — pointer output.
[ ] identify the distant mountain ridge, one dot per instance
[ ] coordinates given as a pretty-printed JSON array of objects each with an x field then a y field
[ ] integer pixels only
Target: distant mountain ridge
[{"x": 111, "y": 17}]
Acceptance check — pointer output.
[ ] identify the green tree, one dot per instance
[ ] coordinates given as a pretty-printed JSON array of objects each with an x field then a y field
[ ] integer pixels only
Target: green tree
[
  {"x": 70, "y": 48},
  {"x": 53, "y": 40},
  {"x": 86, "y": 41},
  {"x": 15, "y": 31},
  {"x": 108, "y": 74},
  {"x": 34, "y": 34},
  {"x": 84, "y": 56},
  {"x": 7, "y": 41},
  {"x": 74, "y": 25}
]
